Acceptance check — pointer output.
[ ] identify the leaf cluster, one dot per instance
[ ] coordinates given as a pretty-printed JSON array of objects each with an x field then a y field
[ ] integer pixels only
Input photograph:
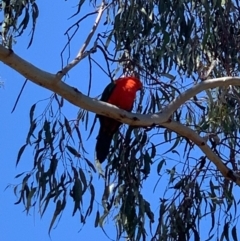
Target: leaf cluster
[{"x": 16, "y": 18}]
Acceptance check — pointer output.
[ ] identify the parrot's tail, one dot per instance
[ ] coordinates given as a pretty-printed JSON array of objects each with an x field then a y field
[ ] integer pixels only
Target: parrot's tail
[{"x": 103, "y": 144}]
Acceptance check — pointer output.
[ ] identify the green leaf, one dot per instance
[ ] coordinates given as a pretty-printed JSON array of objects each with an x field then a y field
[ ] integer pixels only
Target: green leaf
[
  {"x": 53, "y": 164},
  {"x": 77, "y": 195},
  {"x": 97, "y": 219},
  {"x": 83, "y": 179},
  {"x": 61, "y": 141},
  {"x": 212, "y": 209},
  {"x": 37, "y": 158},
  {"x": 35, "y": 13},
  {"x": 57, "y": 211},
  {"x": 167, "y": 135},
  {"x": 172, "y": 175},
  {"x": 80, "y": 3},
  {"x": 179, "y": 184},
  {"x": 101, "y": 219},
  {"x": 144, "y": 138},
  {"x": 196, "y": 235},
  {"x": 31, "y": 130},
  {"x": 32, "y": 113},
  {"x": 225, "y": 231},
  {"x": 46, "y": 201},
  {"x": 53, "y": 129},
  {"x": 148, "y": 211},
  {"x": 73, "y": 151},
  {"x": 29, "y": 198},
  {"x": 25, "y": 190},
  {"x": 19, "y": 175},
  {"x": 153, "y": 154},
  {"x": 160, "y": 165},
  {"x": 92, "y": 127},
  {"x": 90, "y": 208},
  {"x": 14, "y": 190},
  {"x": 68, "y": 127},
  {"x": 234, "y": 233},
  {"x": 90, "y": 165},
  {"x": 147, "y": 164},
  {"x": 23, "y": 25},
  {"x": 212, "y": 187},
  {"x": 174, "y": 145},
  {"x": 20, "y": 152},
  {"x": 47, "y": 131}
]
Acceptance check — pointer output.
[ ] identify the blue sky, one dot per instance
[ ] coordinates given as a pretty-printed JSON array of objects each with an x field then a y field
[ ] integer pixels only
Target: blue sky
[{"x": 45, "y": 54}]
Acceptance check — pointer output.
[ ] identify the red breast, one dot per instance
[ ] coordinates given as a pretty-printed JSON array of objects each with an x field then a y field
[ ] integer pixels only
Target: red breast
[{"x": 124, "y": 94}]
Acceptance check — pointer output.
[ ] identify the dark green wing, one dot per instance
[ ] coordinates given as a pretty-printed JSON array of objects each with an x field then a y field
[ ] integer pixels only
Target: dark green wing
[
  {"x": 108, "y": 91},
  {"x": 105, "y": 96},
  {"x": 107, "y": 129}
]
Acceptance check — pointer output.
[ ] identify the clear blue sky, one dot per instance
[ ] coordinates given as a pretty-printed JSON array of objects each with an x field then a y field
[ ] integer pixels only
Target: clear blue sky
[{"x": 45, "y": 54}]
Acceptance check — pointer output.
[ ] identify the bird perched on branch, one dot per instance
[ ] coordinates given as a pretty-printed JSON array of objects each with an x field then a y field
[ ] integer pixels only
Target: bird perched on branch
[{"x": 121, "y": 93}]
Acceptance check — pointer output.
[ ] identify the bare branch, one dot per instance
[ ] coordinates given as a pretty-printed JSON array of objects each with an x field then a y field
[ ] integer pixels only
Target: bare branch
[
  {"x": 82, "y": 54},
  {"x": 71, "y": 94},
  {"x": 205, "y": 85},
  {"x": 202, "y": 144}
]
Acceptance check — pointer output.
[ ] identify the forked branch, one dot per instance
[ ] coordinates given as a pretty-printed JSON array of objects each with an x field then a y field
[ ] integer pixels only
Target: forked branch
[
  {"x": 82, "y": 53},
  {"x": 202, "y": 144},
  {"x": 193, "y": 91},
  {"x": 71, "y": 94}
]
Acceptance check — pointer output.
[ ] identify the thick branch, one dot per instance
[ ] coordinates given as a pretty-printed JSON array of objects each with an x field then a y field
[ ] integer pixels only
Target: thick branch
[
  {"x": 204, "y": 85},
  {"x": 50, "y": 81},
  {"x": 201, "y": 143},
  {"x": 71, "y": 94}
]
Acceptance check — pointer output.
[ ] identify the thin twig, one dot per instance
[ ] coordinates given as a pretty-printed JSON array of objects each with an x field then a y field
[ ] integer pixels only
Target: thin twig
[
  {"x": 82, "y": 54},
  {"x": 90, "y": 76},
  {"x": 100, "y": 67},
  {"x": 201, "y": 143},
  {"x": 19, "y": 95},
  {"x": 76, "y": 24}
]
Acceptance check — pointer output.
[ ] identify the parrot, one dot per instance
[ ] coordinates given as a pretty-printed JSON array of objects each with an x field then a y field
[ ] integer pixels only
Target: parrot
[{"x": 121, "y": 93}]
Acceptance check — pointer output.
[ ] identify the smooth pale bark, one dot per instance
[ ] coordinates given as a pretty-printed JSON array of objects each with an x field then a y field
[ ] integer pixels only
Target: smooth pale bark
[{"x": 53, "y": 82}]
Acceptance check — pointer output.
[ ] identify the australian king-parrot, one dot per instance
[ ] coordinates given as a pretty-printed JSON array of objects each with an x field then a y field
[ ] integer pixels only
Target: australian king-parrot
[{"x": 121, "y": 93}]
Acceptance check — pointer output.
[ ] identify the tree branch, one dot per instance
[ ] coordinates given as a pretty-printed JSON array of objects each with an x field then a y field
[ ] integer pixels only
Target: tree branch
[
  {"x": 204, "y": 85},
  {"x": 71, "y": 94},
  {"x": 82, "y": 54},
  {"x": 202, "y": 144}
]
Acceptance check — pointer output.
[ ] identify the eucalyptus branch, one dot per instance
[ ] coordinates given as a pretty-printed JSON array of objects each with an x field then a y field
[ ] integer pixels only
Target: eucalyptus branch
[
  {"x": 204, "y": 85},
  {"x": 202, "y": 144},
  {"x": 82, "y": 54},
  {"x": 71, "y": 94},
  {"x": 50, "y": 81}
]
